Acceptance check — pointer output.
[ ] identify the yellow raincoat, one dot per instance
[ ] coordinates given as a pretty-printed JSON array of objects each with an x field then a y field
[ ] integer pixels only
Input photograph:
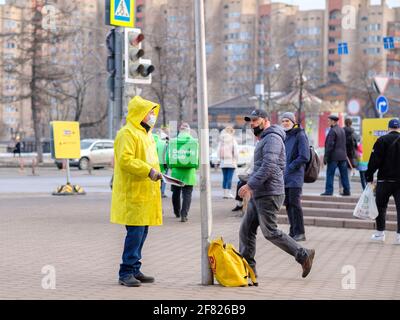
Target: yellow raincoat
[{"x": 136, "y": 199}]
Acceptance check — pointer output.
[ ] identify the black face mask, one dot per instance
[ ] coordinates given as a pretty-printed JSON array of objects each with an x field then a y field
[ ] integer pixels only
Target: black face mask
[{"x": 257, "y": 131}]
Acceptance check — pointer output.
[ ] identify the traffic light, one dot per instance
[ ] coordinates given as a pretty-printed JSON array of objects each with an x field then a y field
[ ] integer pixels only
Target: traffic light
[
  {"x": 110, "y": 42},
  {"x": 137, "y": 70}
]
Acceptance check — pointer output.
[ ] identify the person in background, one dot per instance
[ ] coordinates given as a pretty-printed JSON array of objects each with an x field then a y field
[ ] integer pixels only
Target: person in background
[
  {"x": 351, "y": 151},
  {"x": 162, "y": 146},
  {"x": 184, "y": 170},
  {"x": 228, "y": 154},
  {"x": 362, "y": 166},
  {"x": 335, "y": 156},
  {"x": 136, "y": 196},
  {"x": 385, "y": 158},
  {"x": 17, "y": 148},
  {"x": 297, "y": 156}
]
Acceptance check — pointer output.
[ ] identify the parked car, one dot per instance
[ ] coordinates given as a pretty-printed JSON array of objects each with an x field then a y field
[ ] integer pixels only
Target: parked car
[
  {"x": 245, "y": 155},
  {"x": 95, "y": 152}
]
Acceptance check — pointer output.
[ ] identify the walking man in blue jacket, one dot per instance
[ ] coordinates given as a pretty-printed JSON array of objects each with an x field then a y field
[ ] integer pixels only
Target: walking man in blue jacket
[
  {"x": 297, "y": 156},
  {"x": 265, "y": 187}
]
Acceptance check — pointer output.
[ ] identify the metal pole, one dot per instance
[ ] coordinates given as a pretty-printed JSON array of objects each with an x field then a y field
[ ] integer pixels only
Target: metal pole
[
  {"x": 202, "y": 111},
  {"x": 110, "y": 119},
  {"x": 68, "y": 173},
  {"x": 118, "y": 87}
]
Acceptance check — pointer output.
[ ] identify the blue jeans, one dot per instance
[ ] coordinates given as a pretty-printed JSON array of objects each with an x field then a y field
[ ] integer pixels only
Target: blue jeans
[
  {"x": 330, "y": 175},
  {"x": 227, "y": 178},
  {"x": 135, "y": 237}
]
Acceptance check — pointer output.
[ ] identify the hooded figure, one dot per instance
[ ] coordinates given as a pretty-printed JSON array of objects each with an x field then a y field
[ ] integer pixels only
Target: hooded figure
[{"x": 136, "y": 197}]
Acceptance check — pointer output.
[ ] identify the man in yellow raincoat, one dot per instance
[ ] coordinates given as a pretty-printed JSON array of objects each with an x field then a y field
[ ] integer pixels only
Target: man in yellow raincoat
[{"x": 136, "y": 198}]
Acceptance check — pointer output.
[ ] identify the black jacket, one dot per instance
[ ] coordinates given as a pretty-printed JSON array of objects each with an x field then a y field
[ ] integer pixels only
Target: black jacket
[
  {"x": 385, "y": 158},
  {"x": 335, "y": 145},
  {"x": 351, "y": 145}
]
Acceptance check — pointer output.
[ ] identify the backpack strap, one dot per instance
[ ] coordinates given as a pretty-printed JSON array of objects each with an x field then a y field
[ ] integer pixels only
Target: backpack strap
[{"x": 249, "y": 270}]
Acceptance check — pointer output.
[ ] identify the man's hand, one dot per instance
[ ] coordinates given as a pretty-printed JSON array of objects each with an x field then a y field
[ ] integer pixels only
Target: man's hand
[
  {"x": 245, "y": 192},
  {"x": 155, "y": 175}
]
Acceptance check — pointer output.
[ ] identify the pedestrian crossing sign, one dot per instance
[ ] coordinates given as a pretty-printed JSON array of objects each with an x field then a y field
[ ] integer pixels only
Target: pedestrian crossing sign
[{"x": 122, "y": 13}]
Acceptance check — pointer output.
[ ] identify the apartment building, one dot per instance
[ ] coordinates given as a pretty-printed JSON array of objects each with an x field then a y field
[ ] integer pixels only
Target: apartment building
[
  {"x": 15, "y": 116},
  {"x": 85, "y": 42}
]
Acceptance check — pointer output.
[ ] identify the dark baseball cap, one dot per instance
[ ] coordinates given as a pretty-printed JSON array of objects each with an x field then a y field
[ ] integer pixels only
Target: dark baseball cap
[
  {"x": 394, "y": 124},
  {"x": 256, "y": 114},
  {"x": 333, "y": 117}
]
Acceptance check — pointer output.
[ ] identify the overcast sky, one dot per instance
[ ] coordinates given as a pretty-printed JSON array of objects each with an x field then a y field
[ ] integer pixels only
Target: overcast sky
[{"x": 320, "y": 4}]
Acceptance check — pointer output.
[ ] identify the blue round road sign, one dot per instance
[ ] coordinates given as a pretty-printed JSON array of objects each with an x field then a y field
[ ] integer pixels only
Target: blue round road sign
[{"x": 382, "y": 105}]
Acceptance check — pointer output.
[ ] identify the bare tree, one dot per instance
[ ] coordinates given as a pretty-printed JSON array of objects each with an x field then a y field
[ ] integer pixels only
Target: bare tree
[
  {"x": 86, "y": 67},
  {"x": 174, "y": 79},
  {"x": 363, "y": 71},
  {"x": 33, "y": 68}
]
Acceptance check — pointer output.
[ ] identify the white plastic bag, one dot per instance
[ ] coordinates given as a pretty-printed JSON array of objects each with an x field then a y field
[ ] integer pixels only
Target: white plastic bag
[{"x": 366, "y": 207}]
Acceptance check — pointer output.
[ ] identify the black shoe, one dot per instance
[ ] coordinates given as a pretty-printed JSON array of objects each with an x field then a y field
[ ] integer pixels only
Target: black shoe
[
  {"x": 326, "y": 194},
  {"x": 130, "y": 281},
  {"x": 177, "y": 215},
  {"x": 144, "y": 279},
  {"x": 237, "y": 208},
  {"x": 184, "y": 219},
  {"x": 345, "y": 194},
  {"x": 164, "y": 196},
  {"x": 307, "y": 264},
  {"x": 299, "y": 237}
]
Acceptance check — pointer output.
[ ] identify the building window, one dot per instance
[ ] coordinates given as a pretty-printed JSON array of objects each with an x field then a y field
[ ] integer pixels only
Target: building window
[
  {"x": 332, "y": 28},
  {"x": 331, "y": 40},
  {"x": 331, "y": 63},
  {"x": 331, "y": 51},
  {"x": 335, "y": 14}
]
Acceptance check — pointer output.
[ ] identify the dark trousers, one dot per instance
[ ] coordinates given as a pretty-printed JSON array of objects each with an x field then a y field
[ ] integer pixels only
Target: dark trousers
[
  {"x": 363, "y": 179},
  {"x": 227, "y": 174},
  {"x": 294, "y": 211},
  {"x": 134, "y": 240},
  {"x": 262, "y": 212},
  {"x": 240, "y": 184},
  {"x": 330, "y": 175},
  {"x": 383, "y": 192},
  {"x": 181, "y": 210}
]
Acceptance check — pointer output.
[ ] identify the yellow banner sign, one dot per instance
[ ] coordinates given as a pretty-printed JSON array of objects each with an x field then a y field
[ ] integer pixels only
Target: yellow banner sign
[
  {"x": 67, "y": 140},
  {"x": 372, "y": 129}
]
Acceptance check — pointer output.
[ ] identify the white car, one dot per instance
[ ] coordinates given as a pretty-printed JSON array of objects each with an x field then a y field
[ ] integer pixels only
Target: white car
[
  {"x": 246, "y": 153},
  {"x": 94, "y": 152}
]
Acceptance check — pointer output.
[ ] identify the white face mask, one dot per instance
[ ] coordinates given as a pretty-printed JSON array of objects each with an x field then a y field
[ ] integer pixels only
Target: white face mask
[{"x": 152, "y": 120}]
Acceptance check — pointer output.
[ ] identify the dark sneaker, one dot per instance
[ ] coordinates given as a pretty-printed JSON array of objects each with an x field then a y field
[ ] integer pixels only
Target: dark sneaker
[
  {"x": 326, "y": 194},
  {"x": 144, "y": 279},
  {"x": 307, "y": 264},
  {"x": 299, "y": 237},
  {"x": 344, "y": 194},
  {"x": 130, "y": 281},
  {"x": 177, "y": 215},
  {"x": 184, "y": 219},
  {"x": 237, "y": 208}
]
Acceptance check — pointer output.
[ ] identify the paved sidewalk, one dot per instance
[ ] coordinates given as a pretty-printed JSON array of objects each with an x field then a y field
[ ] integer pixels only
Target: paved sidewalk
[{"x": 73, "y": 235}]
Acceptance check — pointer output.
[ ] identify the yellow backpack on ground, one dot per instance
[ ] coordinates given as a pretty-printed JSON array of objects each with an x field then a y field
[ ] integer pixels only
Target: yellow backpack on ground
[{"x": 228, "y": 266}]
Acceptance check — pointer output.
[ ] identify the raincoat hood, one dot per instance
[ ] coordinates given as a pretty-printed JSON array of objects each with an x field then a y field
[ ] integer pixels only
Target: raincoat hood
[{"x": 138, "y": 108}]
